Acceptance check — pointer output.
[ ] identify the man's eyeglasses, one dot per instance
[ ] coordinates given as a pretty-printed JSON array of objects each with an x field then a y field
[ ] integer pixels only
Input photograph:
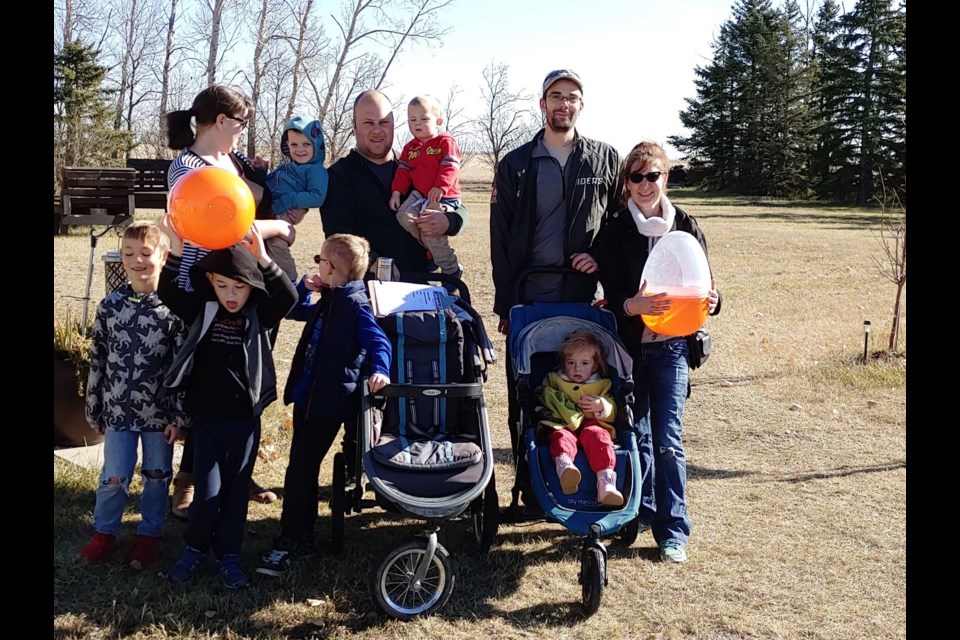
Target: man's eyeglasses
[
  {"x": 243, "y": 123},
  {"x": 558, "y": 97},
  {"x": 636, "y": 177},
  {"x": 318, "y": 259}
]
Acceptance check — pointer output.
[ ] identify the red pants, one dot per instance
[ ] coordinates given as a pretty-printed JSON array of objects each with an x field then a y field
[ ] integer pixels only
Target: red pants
[{"x": 596, "y": 441}]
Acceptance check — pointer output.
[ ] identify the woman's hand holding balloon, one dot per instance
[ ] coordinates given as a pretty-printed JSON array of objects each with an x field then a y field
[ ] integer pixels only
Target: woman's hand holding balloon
[
  {"x": 713, "y": 297},
  {"x": 640, "y": 304}
]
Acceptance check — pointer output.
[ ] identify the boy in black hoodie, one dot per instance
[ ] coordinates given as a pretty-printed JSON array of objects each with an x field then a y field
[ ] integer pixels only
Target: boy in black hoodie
[{"x": 226, "y": 368}]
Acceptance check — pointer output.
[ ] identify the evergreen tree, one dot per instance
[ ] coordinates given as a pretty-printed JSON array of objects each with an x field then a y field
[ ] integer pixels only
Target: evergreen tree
[
  {"x": 831, "y": 161},
  {"x": 712, "y": 116},
  {"x": 749, "y": 122},
  {"x": 865, "y": 101},
  {"x": 82, "y": 113}
]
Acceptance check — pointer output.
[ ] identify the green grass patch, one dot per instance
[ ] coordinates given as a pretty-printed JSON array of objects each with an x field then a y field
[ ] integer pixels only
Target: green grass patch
[{"x": 875, "y": 374}]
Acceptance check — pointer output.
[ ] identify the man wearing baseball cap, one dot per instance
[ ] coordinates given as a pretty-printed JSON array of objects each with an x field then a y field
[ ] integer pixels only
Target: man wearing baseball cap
[{"x": 549, "y": 198}]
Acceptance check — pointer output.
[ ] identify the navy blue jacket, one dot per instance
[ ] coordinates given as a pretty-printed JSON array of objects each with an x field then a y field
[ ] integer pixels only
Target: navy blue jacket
[{"x": 348, "y": 336}]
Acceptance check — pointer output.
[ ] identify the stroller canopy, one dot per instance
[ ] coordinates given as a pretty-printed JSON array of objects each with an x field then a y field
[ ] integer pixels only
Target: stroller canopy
[{"x": 547, "y": 335}]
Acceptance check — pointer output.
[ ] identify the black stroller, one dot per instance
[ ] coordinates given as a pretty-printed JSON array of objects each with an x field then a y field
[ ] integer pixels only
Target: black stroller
[{"x": 424, "y": 450}]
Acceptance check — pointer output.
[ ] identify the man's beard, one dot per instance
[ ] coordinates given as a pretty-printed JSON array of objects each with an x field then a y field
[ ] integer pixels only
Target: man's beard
[{"x": 560, "y": 124}]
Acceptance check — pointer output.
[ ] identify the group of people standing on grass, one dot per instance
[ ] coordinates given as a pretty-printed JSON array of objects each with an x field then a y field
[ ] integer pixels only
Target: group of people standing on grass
[{"x": 184, "y": 349}]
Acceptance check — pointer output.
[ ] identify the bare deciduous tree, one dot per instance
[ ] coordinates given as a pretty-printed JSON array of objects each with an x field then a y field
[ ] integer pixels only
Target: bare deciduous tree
[
  {"x": 395, "y": 33},
  {"x": 167, "y": 66},
  {"x": 338, "y": 118},
  {"x": 892, "y": 237},
  {"x": 504, "y": 123},
  {"x": 137, "y": 49},
  {"x": 306, "y": 46},
  {"x": 79, "y": 20},
  {"x": 419, "y": 25},
  {"x": 264, "y": 31}
]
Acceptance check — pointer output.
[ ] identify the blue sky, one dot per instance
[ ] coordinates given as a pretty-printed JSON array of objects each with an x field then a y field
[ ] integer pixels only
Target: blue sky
[{"x": 636, "y": 58}]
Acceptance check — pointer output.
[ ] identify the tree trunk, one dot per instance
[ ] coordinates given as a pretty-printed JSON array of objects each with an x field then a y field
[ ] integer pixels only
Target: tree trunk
[
  {"x": 216, "y": 16},
  {"x": 168, "y": 54}
]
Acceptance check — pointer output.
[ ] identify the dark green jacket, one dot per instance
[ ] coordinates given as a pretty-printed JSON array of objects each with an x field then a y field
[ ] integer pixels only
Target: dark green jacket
[{"x": 590, "y": 193}]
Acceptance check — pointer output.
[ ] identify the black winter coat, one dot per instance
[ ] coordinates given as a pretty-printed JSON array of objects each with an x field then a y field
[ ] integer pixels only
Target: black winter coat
[
  {"x": 592, "y": 193},
  {"x": 621, "y": 252}
]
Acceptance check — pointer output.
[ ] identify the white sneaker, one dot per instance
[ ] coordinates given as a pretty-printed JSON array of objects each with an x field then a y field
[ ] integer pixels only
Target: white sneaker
[
  {"x": 568, "y": 473},
  {"x": 607, "y": 493}
]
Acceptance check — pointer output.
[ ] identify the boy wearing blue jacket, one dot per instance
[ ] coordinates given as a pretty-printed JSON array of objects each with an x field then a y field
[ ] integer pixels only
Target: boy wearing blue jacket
[
  {"x": 301, "y": 182},
  {"x": 339, "y": 338}
]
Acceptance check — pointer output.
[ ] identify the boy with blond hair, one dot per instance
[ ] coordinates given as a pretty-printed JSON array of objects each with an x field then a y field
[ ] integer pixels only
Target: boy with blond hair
[
  {"x": 428, "y": 178},
  {"x": 340, "y": 341}
]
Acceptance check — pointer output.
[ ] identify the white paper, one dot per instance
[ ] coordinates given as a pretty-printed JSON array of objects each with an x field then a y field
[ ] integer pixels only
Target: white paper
[{"x": 392, "y": 297}]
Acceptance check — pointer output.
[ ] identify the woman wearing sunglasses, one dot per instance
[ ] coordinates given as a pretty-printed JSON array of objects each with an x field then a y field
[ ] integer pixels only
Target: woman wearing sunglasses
[
  {"x": 660, "y": 372},
  {"x": 207, "y": 135}
]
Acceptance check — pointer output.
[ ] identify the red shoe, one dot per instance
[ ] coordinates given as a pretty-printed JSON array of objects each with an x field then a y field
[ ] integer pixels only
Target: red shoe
[
  {"x": 101, "y": 545},
  {"x": 144, "y": 551}
]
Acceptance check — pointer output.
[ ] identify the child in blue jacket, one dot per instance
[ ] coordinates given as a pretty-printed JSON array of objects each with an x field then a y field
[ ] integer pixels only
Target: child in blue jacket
[
  {"x": 300, "y": 183},
  {"x": 340, "y": 336}
]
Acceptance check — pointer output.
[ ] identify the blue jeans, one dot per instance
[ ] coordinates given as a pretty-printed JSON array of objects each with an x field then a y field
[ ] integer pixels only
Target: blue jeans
[
  {"x": 660, "y": 380},
  {"x": 119, "y": 461}
]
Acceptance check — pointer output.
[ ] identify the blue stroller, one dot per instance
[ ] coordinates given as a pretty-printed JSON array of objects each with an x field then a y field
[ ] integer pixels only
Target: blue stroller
[{"x": 536, "y": 332}]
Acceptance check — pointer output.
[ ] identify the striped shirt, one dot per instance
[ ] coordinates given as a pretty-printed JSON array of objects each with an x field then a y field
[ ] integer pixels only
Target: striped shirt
[{"x": 183, "y": 164}]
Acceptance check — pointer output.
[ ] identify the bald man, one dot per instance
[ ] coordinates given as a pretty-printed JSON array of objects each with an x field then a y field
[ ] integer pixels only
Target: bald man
[{"x": 359, "y": 192}]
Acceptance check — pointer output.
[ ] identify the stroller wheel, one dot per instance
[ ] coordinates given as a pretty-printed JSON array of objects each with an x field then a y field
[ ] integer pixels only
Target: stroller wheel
[
  {"x": 338, "y": 502},
  {"x": 593, "y": 576},
  {"x": 486, "y": 517},
  {"x": 396, "y": 590},
  {"x": 630, "y": 531}
]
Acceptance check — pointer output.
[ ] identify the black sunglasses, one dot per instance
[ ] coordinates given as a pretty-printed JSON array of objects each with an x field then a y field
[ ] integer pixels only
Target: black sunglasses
[
  {"x": 636, "y": 177},
  {"x": 318, "y": 260},
  {"x": 243, "y": 123}
]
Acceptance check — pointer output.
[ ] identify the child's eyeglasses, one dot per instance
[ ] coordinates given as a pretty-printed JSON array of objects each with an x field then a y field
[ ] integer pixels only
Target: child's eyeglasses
[
  {"x": 636, "y": 177},
  {"x": 319, "y": 259}
]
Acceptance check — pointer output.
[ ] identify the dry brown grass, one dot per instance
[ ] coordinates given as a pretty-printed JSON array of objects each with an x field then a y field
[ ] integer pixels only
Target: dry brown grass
[{"x": 796, "y": 458}]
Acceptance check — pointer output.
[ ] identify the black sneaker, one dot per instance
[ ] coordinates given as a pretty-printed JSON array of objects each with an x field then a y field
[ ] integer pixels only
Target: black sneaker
[
  {"x": 276, "y": 563},
  {"x": 284, "y": 552}
]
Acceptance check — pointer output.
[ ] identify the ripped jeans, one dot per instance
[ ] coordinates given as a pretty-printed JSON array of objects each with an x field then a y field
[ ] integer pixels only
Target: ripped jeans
[
  {"x": 660, "y": 379},
  {"x": 119, "y": 462}
]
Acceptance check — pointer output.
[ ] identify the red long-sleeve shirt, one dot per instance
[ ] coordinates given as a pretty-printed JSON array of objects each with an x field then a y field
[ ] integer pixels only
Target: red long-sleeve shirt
[{"x": 425, "y": 165}]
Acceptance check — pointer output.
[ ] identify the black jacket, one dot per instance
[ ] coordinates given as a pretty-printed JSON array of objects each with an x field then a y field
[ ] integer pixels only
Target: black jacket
[
  {"x": 621, "y": 252},
  {"x": 358, "y": 203},
  {"x": 592, "y": 193},
  {"x": 271, "y": 297}
]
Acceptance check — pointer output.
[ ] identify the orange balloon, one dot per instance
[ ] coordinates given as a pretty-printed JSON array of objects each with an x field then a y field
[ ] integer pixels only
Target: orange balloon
[{"x": 212, "y": 207}]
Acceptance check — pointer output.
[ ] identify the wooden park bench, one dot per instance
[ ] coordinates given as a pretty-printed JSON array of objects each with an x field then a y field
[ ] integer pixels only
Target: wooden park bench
[
  {"x": 95, "y": 196},
  {"x": 150, "y": 190}
]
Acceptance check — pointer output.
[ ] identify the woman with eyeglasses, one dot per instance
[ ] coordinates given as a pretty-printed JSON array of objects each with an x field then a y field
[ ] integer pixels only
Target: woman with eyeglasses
[
  {"x": 660, "y": 374},
  {"x": 207, "y": 135}
]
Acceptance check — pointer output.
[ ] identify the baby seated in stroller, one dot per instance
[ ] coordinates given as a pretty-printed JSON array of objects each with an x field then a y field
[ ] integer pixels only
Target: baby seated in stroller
[{"x": 576, "y": 406}]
